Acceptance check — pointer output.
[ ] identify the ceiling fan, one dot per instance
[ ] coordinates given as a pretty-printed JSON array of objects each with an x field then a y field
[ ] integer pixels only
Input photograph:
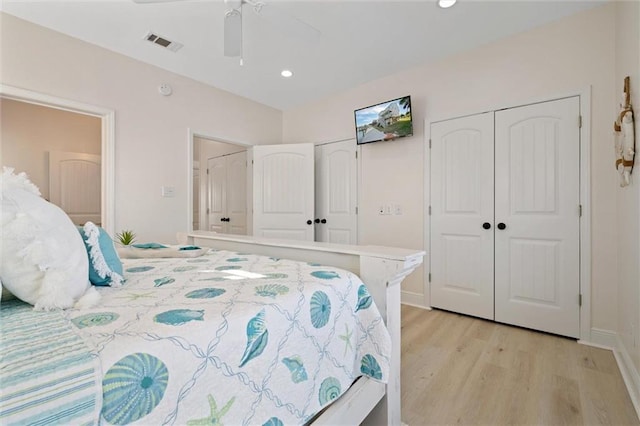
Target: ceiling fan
[{"x": 279, "y": 18}]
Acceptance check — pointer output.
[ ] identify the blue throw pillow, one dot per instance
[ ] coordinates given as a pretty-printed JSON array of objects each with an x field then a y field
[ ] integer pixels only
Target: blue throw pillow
[{"x": 105, "y": 267}]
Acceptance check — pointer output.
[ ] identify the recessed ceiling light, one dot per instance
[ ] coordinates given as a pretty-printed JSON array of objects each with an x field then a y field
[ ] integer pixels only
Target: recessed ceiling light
[
  {"x": 446, "y": 3},
  {"x": 286, "y": 73}
]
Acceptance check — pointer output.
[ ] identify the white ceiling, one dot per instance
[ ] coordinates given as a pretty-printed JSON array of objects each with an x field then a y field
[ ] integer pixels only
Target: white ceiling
[{"x": 360, "y": 40}]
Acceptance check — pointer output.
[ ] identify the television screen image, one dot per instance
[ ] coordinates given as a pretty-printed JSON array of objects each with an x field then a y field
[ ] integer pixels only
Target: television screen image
[{"x": 385, "y": 121}]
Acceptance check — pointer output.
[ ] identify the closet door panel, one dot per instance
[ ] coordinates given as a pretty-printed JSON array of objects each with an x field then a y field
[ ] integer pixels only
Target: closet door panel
[
  {"x": 216, "y": 193},
  {"x": 237, "y": 193},
  {"x": 461, "y": 203},
  {"x": 336, "y": 192},
  {"x": 283, "y": 191},
  {"x": 537, "y": 198}
]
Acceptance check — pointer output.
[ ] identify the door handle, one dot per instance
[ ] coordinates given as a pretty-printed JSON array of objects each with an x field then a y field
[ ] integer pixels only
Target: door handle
[
  {"x": 323, "y": 221},
  {"x": 317, "y": 221},
  {"x": 309, "y": 222},
  {"x": 502, "y": 226},
  {"x": 486, "y": 225}
]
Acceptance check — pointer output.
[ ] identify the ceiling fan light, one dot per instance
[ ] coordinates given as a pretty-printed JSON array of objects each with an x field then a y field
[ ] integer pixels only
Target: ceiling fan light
[
  {"x": 446, "y": 3},
  {"x": 286, "y": 73}
]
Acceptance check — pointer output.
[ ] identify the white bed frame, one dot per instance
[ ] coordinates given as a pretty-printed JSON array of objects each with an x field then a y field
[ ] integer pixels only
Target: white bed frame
[{"x": 382, "y": 269}]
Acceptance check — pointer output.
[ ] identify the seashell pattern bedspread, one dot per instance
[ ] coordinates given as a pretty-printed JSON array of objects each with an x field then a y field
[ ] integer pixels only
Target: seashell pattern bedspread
[{"x": 231, "y": 338}]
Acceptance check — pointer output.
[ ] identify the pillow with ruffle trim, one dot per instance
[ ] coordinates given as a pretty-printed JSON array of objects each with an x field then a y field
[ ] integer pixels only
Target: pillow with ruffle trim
[
  {"x": 42, "y": 259},
  {"x": 105, "y": 267}
]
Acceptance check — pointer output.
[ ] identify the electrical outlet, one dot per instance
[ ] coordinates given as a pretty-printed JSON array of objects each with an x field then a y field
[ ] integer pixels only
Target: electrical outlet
[
  {"x": 387, "y": 209},
  {"x": 397, "y": 209}
]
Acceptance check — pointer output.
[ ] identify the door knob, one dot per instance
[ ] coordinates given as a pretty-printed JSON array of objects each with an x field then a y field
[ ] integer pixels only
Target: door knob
[
  {"x": 317, "y": 221},
  {"x": 501, "y": 226},
  {"x": 309, "y": 222},
  {"x": 486, "y": 225},
  {"x": 323, "y": 221}
]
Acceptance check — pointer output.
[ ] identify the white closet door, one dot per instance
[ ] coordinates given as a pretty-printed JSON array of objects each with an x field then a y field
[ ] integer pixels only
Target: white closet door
[
  {"x": 75, "y": 185},
  {"x": 537, "y": 199},
  {"x": 196, "y": 197},
  {"x": 237, "y": 193},
  {"x": 216, "y": 193},
  {"x": 283, "y": 191},
  {"x": 461, "y": 203},
  {"x": 336, "y": 193}
]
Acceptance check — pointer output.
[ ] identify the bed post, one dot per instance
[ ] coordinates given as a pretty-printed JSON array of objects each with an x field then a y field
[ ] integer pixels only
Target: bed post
[{"x": 383, "y": 278}]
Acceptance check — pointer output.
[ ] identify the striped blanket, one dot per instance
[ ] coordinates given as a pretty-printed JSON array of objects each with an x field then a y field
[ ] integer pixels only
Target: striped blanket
[{"x": 58, "y": 373}]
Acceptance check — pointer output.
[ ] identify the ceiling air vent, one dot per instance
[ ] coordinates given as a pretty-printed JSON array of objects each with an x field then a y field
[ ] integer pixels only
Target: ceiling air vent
[{"x": 162, "y": 42}]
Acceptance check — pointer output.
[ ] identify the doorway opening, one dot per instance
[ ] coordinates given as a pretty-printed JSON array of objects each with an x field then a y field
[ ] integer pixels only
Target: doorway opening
[
  {"x": 209, "y": 203},
  {"x": 105, "y": 119}
]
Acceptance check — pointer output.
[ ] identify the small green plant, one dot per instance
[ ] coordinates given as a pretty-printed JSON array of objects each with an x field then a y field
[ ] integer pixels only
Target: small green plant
[{"x": 126, "y": 237}]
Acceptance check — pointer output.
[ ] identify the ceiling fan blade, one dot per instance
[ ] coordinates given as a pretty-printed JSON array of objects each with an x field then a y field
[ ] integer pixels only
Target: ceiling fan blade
[
  {"x": 233, "y": 33},
  {"x": 288, "y": 24}
]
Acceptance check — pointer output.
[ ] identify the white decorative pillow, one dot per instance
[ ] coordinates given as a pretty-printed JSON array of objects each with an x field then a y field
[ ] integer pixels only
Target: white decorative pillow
[{"x": 42, "y": 256}]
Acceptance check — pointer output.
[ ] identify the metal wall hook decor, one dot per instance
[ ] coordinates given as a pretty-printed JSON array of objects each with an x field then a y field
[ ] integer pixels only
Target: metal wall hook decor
[{"x": 625, "y": 136}]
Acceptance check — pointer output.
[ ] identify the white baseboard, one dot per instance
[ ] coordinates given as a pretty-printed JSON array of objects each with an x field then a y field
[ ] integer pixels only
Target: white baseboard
[
  {"x": 413, "y": 299},
  {"x": 605, "y": 339},
  {"x": 629, "y": 373}
]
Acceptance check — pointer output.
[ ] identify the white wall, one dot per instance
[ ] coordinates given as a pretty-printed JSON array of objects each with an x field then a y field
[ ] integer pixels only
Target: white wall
[
  {"x": 29, "y": 132},
  {"x": 628, "y": 199},
  {"x": 151, "y": 130},
  {"x": 568, "y": 55}
]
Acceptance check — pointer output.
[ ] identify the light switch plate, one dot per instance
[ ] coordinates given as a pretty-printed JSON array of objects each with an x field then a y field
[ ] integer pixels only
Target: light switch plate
[{"x": 168, "y": 191}]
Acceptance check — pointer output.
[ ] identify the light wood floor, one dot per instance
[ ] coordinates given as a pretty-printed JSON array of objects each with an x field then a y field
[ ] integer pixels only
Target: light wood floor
[{"x": 462, "y": 370}]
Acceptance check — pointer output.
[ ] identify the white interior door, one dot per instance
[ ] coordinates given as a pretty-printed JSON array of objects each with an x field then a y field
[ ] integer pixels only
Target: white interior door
[
  {"x": 236, "y": 194},
  {"x": 75, "y": 185},
  {"x": 537, "y": 199},
  {"x": 336, "y": 193},
  {"x": 462, "y": 215},
  {"x": 196, "y": 196},
  {"x": 283, "y": 191},
  {"x": 216, "y": 193}
]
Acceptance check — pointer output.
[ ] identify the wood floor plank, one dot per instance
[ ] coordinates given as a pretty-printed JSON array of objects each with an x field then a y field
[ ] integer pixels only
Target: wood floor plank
[
  {"x": 468, "y": 371},
  {"x": 559, "y": 402}
]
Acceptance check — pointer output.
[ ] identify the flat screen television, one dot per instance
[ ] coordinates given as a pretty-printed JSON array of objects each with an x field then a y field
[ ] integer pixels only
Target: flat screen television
[{"x": 385, "y": 121}]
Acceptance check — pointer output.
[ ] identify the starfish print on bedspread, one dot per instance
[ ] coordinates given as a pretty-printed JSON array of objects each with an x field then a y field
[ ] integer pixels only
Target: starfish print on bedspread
[
  {"x": 136, "y": 296},
  {"x": 215, "y": 417},
  {"x": 347, "y": 338}
]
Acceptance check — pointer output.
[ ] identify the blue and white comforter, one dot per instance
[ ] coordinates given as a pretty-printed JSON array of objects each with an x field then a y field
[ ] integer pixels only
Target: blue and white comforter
[{"x": 231, "y": 338}]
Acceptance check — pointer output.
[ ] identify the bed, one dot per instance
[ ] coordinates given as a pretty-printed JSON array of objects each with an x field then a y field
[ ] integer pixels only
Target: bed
[{"x": 253, "y": 332}]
